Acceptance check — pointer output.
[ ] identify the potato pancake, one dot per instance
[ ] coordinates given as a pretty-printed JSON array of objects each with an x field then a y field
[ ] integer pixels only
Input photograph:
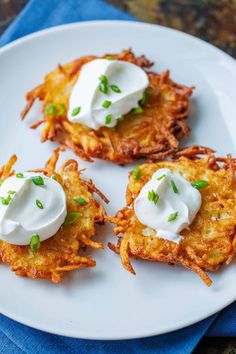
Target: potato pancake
[
  {"x": 153, "y": 132},
  {"x": 209, "y": 241},
  {"x": 60, "y": 253}
]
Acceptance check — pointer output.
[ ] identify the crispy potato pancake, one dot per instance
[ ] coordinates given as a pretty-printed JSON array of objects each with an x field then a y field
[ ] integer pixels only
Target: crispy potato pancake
[
  {"x": 60, "y": 253},
  {"x": 154, "y": 133},
  {"x": 209, "y": 241}
]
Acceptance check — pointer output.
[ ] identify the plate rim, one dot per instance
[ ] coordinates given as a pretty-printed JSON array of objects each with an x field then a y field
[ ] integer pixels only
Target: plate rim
[{"x": 60, "y": 28}]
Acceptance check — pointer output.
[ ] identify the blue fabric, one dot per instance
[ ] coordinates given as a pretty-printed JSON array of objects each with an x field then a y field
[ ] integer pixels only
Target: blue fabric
[{"x": 16, "y": 338}]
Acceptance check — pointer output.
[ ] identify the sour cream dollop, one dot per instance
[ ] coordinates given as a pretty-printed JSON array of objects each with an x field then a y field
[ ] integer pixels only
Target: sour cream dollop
[
  {"x": 31, "y": 209},
  {"x": 175, "y": 209},
  {"x": 88, "y": 100}
]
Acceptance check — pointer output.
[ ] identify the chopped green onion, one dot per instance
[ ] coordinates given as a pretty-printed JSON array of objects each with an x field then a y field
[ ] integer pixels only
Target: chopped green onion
[
  {"x": 80, "y": 200},
  {"x": 144, "y": 98},
  {"x": 173, "y": 216},
  {"x": 137, "y": 110},
  {"x": 103, "y": 88},
  {"x": 11, "y": 192},
  {"x": 137, "y": 173},
  {"x": 110, "y": 57},
  {"x": 37, "y": 180},
  {"x": 71, "y": 218},
  {"x": 200, "y": 184},
  {"x": 39, "y": 204},
  {"x": 153, "y": 196},
  {"x": 103, "y": 79},
  {"x": 19, "y": 175},
  {"x": 75, "y": 111},
  {"x": 115, "y": 88},
  {"x": 173, "y": 185},
  {"x": 161, "y": 177},
  {"x": 50, "y": 109},
  {"x": 3, "y": 201},
  {"x": 54, "y": 177},
  {"x": 35, "y": 243},
  {"x": 106, "y": 104},
  {"x": 108, "y": 119}
]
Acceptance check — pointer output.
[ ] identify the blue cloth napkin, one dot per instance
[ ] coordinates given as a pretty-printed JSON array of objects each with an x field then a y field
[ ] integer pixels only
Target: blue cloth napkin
[{"x": 16, "y": 338}]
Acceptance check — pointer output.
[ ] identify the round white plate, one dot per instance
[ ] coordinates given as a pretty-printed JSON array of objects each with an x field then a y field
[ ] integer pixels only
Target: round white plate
[{"x": 107, "y": 302}]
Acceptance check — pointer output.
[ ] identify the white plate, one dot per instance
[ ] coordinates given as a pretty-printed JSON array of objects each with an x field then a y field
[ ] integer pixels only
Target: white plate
[{"x": 107, "y": 302}]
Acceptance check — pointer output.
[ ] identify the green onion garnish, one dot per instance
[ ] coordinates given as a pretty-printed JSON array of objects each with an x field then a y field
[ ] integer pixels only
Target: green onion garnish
[
  {"x": 75, "y": 111},
  {"x": 19, "y": 175},
  {"x": 5, "y": 201},
  {"x": 50, "y": 109},
  {"x": 108, "y": 119},
  {"x": 153, "y": 196},
  {"x": 35, "y": 243},
  {"x": 173, "y": 216},
  {"x": 161, "y": 177},
  {"x": 173, "y": 185},
  {"x": 11, "y": 192},
  {"x": 110, "y": 57},
  {"x": 71, "y": 218},
  {"x": 54, "y": 177},
  {"x": 37, "y": 180},
  {"x": 103, "y": 85},
  {"x": 106, "y": 104},
  {"x": 39, "y": 204},
  {"x": 137, "y": 110},
  {"x": 115, "y": 88},
  {"x": 200, "y": 184},
  {"x": 80, "y": 200},
  {"x": 144, "y": 98},
  {"x": 137, "y": 173}
]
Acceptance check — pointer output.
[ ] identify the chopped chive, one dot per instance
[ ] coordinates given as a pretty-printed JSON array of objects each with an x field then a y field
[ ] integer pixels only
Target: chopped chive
[
  {"x": 103, "y": 79},
  {"x": 144, "y": 98},
  {"x": 173, "y": 216},
  {"x": 39, "y": 204},
  {"x": 115, "y": 88},
  {"x": 75, "y": 111},
  {"x": 3, "y": 201},
  {"x": 71, "y": 218},
  {"x": 153, "y": 196},
  {"x": 8, "y": 199},
  {"x": 137, "y": 110},
  {"x": 161, "y": 177},
  {"x": 80, "y": 200},
  {"x": 35, "y": 243},
  {"x": 50, "y": 109},
  {"x": 54, "y": 177},
  {"x": 200, "y": 184},
  {"x": 173, "y": 185},
  {"x": 11, "y": 192},
  {"x": 110, "y": 57},
  {"x": 103, "y": 88},
  {"x": 106, "y": 104},
  {"x": 137, "y": 173},
  {"x": 19, "y": 175},
  {"x": 108, "y": 119},
  {"x": 37, "y": 180}
]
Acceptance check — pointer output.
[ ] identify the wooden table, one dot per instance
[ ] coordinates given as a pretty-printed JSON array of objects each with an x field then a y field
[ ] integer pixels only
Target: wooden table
[{"x": 211, "y": 20}]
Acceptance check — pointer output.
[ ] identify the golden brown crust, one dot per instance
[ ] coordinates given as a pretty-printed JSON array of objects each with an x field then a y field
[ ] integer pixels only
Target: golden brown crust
[
  {"x": 209, "y": 242},
  {"x": 152, "y": 134},
  {"x": 60, "y": 253}
]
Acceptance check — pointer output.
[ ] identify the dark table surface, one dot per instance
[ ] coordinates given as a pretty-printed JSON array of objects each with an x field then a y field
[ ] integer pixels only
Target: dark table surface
[{"x": 211, "y": 20}]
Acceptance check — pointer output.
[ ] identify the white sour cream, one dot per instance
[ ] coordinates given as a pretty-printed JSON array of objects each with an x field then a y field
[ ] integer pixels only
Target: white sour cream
[
  {"x": 186, "y": 203},
  {"x": 22, "y": 218},
  {"x": 129, "y": 78}
]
